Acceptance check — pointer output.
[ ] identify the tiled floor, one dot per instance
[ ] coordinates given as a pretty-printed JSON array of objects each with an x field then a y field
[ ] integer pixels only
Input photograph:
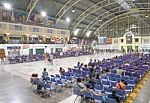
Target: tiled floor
[{"x": 15, "y": 89}]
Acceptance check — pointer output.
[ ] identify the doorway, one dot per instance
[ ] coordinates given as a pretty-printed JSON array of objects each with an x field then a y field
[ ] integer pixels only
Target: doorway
[{"x": 129, "y": 49}]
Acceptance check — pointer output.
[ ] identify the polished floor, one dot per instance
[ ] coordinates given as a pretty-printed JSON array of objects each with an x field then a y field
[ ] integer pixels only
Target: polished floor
[
  {"x": 14, "y": 86},
  {"x": 15, "y": 78},
  {"x": 144, "y": 94},
  {"x": 24, "y": 70},
  {"x": 14, "y": 89}
]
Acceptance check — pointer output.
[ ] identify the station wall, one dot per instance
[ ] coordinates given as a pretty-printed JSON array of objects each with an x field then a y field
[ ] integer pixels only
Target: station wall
[{"x": 26, "y": 49}]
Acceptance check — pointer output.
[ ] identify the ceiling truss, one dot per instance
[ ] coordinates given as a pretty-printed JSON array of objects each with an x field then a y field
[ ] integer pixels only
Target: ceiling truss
[{"x": 30, "y": 8}]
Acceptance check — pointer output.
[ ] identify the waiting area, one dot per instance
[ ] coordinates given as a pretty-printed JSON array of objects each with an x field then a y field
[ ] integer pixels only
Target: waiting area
[{"x": 101, "y": 79}]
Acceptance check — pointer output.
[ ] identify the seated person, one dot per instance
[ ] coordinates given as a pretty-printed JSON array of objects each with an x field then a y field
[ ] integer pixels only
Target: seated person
[
  {"x": 78, "y": 64},
  {"x": 33, "y": 78},
  {"x": 90, "y": 63},
  {"x": 120, "y": 70},
  {"x": 91, "y": 81},
  {"x": 61, "y": 71},
  {"x": 97, "y": 76},
  {"x": 81, "y": 65},
  {"x": 114, "y": 96},
  {"x": 95, "y": 62},
  {"x": 85, "y": 67},
  {"x": 121, "y": 85},
  {"x": 78, "y": 85},
  {"x": 87, "y": 89},
  {"x": 44, "y": 74}
]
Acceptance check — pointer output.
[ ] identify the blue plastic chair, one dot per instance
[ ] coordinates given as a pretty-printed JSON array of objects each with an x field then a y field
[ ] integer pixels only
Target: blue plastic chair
[
  {"x": 42, "y": 83},
  {"x": 108, "y": 90},
  {"x": 113, "y": 85},
  {"x": 53, "y": 80},
  {"x": 77, "y": 75},
  {"x": 105, "y": 84},
  {"x": 69, "y": 79},
  {"x": 117, "y": 76},
  {"x": 63, "y": 78},
  {"x": 72, "y": 75},
  {"x": 78, "y": 93},
  {"x": 112, "y": 79},
  {"x": 98, "y": 81},
  {"x": 57, "y": 76},
  {"x": 98, "y": 99},
  {"x": 87, "y": 95},
  {"x": 52, "y": 76},
  {"x": 49, "y": 87},
  {"x": 98, "y": 88},
  {"x": 60, "y": 83},
  {"x": 108, "y": 100},
  {"x": 104, "y": 78},
  {"x": 128, "y": 89},
  {"x": 121, "y": 94},
  {"x": 131, "y": 83},
  {"x": 48, "y": 80}
]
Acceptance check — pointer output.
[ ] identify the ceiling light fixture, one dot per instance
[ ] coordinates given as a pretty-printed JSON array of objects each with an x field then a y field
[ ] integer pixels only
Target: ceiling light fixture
[
  {"x": 68, "y": 19},
  {"x": 88, "y": 33},
  {"x": 100, "y": 20},
  {"x": 73, "y": 10},
  {"x": 76, "y": 32},
  {"x": 43, "y": 13},
  {"x": 7, "y": 6},
  {"x": 146, "y": 16}
]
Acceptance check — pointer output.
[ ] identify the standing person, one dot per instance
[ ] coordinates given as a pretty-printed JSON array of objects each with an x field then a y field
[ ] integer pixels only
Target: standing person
[
  {"x": 44, "y": 74},
  {"x": 90, "y": 63},
  {"x": 51, "y": 59},
  {"x": 46, "y": 57},
  {"x": 61, "y": 54}
]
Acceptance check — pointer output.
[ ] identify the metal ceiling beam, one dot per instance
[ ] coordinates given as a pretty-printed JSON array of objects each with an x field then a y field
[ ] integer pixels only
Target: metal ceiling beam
[
  {"x": 90, "y": 10},
  {"x": 65, "y": 8},
  {"x": 125, "y": 26},
  {"x": 100, "y": 27},
  {"x": 30, "y": 7},
  {"x": 96, "y": 20},
  {"x": 77, "y": 8}
]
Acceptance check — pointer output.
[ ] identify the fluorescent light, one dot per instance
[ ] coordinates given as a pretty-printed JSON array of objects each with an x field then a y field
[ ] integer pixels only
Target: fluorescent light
[
  {"x": 146, "y": 16},
  {"x": 43, "y": 14},
  {"x": 76, "y": 32},
  {"x": 133, "y": 26},
  {"x": 88, "y": 33},
  {"x": 68, "y": 19},
  {"x": 73, "y": 10},
  {"x": 7, "y": 6},
  {"x": 8, "y": 33},
  {"x": 100, "y": 20}
]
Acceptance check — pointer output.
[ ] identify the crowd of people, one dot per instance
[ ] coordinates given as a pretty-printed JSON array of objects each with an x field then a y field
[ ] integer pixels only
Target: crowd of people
[{"x": 86, "y": 85}]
